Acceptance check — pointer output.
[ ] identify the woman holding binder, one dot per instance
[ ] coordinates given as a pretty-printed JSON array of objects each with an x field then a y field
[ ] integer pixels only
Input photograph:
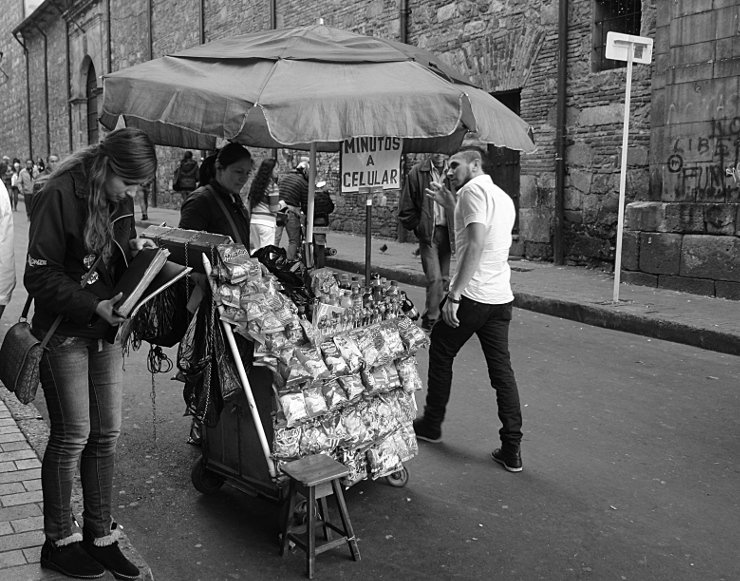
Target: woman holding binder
[{"x": 81, "y": 239}]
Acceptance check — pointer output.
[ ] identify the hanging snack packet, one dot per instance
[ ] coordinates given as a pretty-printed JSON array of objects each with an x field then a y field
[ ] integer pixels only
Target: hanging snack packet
[
  {"x": 286, "y": 443},
  {"x": 366, "y": 340},
  {"x": 333, "y": 358},
  {"x": 352, "y": 385},
  {"x": 409, "y": 374},
  {"x": 314, "y": 440},
  {"x": 409, "y": 447},
  {"x": 375, "y": 380},
  {"x": 394, "y": 381},
  {"x": 392, "y": 342},
  {"x": 412, "y": 336},
  {"x": 323, "y": 282},
  {"x": 354, "y": 425},
  {"x": 334, "y": 395},
  {"x": 293, "y": 373},
  {"x": 312, "y": 361},
  {"x": 349, "y": 350},
  {"x": 334, "y": 429},
  {"x": 230, "y": 294},
  {"x": 236, "y": 265},
  {"x": 315, "y": 402},
  {"x": 294, "y": 408},
  {"x": 382, "y": 459},
  {"x": 356, "y": 461}
]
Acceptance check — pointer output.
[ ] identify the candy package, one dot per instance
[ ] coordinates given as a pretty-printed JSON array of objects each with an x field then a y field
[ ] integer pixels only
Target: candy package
[
  {"x": 294, "y": 408},
  {"x": 286, "y": 442},
  {"x": 315, "y": 402},
  {"x": 409, "y": 374},
  {"x": 333, "y": 358},
  {"x": 352, "y": 385},
  {"x": 412, "y": 336},
  {"x": 236, "y": 265},
  {"x": 349, "y": 350}
]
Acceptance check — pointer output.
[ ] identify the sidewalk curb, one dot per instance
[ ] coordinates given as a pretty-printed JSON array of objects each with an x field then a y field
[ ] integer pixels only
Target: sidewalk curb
[
  {"x": 608, "y": 317},
  {"x": 34, "y": 428},
  {"x": 605, "y": 316}
]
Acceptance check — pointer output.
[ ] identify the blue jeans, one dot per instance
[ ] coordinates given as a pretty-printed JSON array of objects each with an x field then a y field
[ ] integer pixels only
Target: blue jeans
[
  {"x": 491, "y": 324},
  {"x": 81, "y": 379},
  {"x": 435, "y": 260}
]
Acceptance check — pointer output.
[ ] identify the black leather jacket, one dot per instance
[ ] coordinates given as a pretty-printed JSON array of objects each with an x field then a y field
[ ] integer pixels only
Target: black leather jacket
[{"x": 57, "y": 259}]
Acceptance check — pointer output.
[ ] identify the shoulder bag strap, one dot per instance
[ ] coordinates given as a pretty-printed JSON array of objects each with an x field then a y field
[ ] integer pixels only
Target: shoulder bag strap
[
  {"x": 58, "y": 320},
  {"x": 221, "y": 205}
]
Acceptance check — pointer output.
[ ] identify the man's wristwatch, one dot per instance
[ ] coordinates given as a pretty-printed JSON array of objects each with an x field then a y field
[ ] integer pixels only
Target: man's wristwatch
[{"x": 452, "y": 299}]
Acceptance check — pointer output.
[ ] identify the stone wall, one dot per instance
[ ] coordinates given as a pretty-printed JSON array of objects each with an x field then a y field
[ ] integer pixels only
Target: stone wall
[{"x": 686, "y": 234}]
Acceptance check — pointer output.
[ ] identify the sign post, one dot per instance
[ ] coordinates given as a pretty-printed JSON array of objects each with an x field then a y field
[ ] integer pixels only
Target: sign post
[{"x": 633, "y": 49}]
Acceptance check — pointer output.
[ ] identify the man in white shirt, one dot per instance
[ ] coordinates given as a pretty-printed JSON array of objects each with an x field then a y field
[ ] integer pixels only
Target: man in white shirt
[
  {"x": 7, "y": 252},
  {"x": 479, "y": 301}
]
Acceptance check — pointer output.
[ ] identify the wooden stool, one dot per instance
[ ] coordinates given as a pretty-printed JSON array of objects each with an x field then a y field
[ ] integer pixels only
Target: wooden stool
[{"x": 317, "y": 477}]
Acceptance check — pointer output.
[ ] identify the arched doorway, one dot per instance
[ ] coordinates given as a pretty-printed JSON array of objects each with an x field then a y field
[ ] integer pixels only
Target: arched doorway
[{"x": 91, "y": 96}]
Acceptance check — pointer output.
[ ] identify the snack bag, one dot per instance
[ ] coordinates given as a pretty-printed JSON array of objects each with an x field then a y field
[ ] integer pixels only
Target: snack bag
[
  {"x": 230, "y": 294},
  {"x": 409, "y": 374},
  {"x": 315, "y": 402},
  {"x": 294, "y": 408},
  {"x": 392, "y": 342},
  {"x": 236, "y": 265},
  {"x": 355, "y": 427},
  {"x": 352, "y": 385},
  {"x": 382, "y": 458},
  {"x": 349, "y": 350},
  {"x": 286, "y": 442},
  {"x": 323, "y": 282},
  {"x": 356, "y": 461},
  {"x": 366, "y": 340},
  {"x": 314, "y": 440},
  {"x": 375, "y": 380},
  {"x": 412, "y": 336},
  {"x": 312, "y": 361},
  {"x": 333, "y": 358},
  {"x": 334, "y": 394}
]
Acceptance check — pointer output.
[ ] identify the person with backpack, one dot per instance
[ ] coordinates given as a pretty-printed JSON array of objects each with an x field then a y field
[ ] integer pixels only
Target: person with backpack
[{"x": 186, "y": 175}]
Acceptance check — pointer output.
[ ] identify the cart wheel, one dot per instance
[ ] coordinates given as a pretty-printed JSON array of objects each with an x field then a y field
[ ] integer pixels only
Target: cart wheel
[
  {"x": 204, "y": 480},
  {"x": 399, "y": 478}
]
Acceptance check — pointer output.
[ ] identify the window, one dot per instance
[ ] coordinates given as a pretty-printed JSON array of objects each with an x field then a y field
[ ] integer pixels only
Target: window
[
  {"x": 91, "y": 93},
  {"x": 613, "y": 15}
]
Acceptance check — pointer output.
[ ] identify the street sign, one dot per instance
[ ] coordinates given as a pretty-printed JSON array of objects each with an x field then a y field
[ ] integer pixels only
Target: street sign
[
  {"x": 633, "y": 49},
  {"x": 618, "y": 47}
]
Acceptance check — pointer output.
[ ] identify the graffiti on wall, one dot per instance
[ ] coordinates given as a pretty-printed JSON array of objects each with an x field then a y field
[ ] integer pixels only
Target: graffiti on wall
[{"x": 698, "y": 165}]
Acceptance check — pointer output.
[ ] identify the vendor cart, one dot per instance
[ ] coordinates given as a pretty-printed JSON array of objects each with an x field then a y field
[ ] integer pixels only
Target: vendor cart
[{"x": 240, "y": 449}]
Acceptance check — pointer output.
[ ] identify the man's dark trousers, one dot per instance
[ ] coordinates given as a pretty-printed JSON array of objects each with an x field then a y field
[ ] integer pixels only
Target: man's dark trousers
[{"x": 491, "y": 324}]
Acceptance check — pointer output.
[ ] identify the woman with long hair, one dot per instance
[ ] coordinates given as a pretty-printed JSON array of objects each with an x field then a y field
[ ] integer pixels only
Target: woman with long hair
[
  {"x": 264, "y": 203},
  {"x": 217, "y": 206},
  {"x": 83, "y": 230}
]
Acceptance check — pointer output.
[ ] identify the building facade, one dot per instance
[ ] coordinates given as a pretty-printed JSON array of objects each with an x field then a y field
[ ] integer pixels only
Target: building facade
[{"x": 544, "y": 59}]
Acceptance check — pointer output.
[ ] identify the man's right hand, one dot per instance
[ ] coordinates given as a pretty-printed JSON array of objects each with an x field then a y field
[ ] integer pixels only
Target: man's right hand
[{"x": 441, "y": 195}]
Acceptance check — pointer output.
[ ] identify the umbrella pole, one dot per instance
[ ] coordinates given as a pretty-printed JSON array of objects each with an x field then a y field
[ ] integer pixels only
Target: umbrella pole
[
  {"x": 308, "y": 248},
  {"x": 368, "y": 234}
]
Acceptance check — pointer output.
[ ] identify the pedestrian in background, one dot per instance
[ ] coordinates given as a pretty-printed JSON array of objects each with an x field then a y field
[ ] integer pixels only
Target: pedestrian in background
[
  {"x": 26, "y": 178},
  {"x": 15, "y": 181},
  {"x": 43, "y": 176},
  {"x": 479, "y": 301},
  {"x": 186, "y": 175},
  {"x": 6, "y": 175},
  {"x": 264, "y": 203},
  {"x": 82, "y": 225},
  {"x": 293, "y": 188},
  {"x": 7, "y": 251},
  {"x": 432, "y": 224}
]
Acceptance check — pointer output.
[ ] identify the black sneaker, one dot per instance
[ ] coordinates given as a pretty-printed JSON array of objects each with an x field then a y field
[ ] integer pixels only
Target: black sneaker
[
  {"x": 427, "y": 433},
  {"x": 512, "y": 461},
  {"x": 110, "y": 557},
  {"x": 70, "y": 560}
]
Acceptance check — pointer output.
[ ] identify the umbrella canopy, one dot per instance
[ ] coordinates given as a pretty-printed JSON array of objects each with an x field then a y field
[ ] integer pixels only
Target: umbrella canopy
[{"x": 307, "y": 88}]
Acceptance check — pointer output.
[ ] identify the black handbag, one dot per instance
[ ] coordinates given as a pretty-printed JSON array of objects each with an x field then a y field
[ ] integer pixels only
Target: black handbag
[
  {"x": 20, "y": 356},
  {"x": 21, "y": 352}
]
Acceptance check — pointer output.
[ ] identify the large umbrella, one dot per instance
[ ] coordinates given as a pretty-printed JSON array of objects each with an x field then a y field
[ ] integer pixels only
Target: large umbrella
[{"x": 307, "y": 88}]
